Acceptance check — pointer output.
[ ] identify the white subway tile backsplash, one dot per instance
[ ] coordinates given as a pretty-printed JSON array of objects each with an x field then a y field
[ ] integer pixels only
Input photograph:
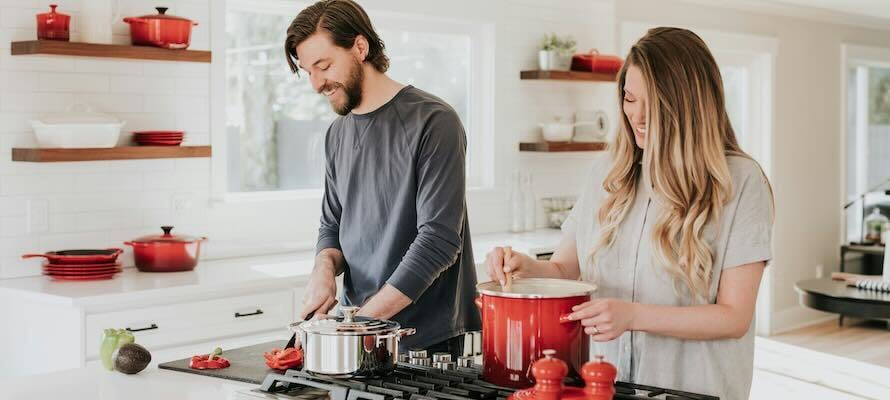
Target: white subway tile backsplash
[
  {"x": 55, "y": 82},
  {"x": 35, "y": 102},
  {"x": 35, "y": 184},
  {"x": 159, "y": 85},
  {"x": 13, "y": 206},
  {"x": 112, "y": 67},
  {"x": 107, "y": 182},
  {"x": 16, "y": 122},
  {"x": 113, "y": 103},
  {"x": 193, "y": 122},
  {"x": 110, "y": 201},
  {"x": 35, "y": 63},
  {"x": 177, "y": 70},
  {"x": 95, "y": 221},
  {"x": 177, "y": 103},
  {"x": 13, "y": 226}
]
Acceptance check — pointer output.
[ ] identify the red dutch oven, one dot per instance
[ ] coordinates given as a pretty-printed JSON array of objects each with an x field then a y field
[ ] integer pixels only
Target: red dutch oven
[
  {"x": 161, "y": 30},
  {"x": 518, "y": 325},
  {"x": 166, "y": 252}
]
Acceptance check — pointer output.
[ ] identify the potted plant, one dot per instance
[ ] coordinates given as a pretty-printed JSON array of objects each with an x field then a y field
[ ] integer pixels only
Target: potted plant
[{"x": 556, "y": 52}]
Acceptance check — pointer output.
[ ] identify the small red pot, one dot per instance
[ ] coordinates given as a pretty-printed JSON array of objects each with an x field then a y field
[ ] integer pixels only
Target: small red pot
[
  {"x": 166, "y": 252},
  {"x": 53, "y": 25},
  {"x": 161, "y": 30},
  {"x": 517, "y": 326}
]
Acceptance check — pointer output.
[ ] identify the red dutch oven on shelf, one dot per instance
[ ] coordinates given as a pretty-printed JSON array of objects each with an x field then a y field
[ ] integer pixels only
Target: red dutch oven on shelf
[
  {"x": 518, "y": 325},
  {"x": 53, "y": 25},
  {"x": 549, "y": 372},
  {"x": 166, "y": 252},
  {"x": 161, "y": 30}
]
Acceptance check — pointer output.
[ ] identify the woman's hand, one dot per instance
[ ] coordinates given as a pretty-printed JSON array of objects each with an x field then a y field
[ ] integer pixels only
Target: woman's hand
[
  {"x": 605, "y": 319},
  {"x": 501, "y": 262}
]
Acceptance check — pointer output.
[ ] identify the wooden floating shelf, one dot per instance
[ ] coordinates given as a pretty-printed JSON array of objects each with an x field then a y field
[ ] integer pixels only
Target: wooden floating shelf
[
  {"x": 113, "y": 153},
  {"x": 60, "y": 48},
  {"x": 554, "y": 147},
  {"x": 569, "y": 76}
]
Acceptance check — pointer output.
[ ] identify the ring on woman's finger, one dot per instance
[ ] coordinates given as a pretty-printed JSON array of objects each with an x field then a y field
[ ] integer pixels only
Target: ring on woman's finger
[{"x": 596, "y": 331}]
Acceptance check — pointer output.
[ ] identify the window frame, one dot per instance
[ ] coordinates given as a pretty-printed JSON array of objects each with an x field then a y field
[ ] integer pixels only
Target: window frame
[{"x": 480, "y": 121}]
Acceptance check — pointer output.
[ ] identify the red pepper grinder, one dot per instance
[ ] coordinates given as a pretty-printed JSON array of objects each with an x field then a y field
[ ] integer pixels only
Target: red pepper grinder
[
  {"x": 549, "y": 373},
  {"x": 599, "y": 378},
  {"x": 53, "y": 25}
]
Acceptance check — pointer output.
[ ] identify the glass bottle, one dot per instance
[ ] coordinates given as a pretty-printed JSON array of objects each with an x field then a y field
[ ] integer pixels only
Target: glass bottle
[{"x": 874, "y": 226}]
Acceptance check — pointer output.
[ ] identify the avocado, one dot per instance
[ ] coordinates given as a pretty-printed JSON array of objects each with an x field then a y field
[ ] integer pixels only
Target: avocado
[{"x": 131, "y": 358}]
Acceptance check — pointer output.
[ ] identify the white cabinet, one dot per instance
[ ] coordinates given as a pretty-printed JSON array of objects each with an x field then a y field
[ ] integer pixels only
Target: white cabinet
[
  {"x": 175, "y": 324},
  {"x": 50, "y": 326}
]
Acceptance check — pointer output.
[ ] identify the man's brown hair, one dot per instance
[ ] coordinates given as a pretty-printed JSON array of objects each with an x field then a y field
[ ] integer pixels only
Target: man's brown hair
[{"x": 344, "y": 20}]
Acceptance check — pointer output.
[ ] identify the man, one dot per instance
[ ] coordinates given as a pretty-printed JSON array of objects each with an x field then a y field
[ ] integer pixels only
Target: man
[{"x": 394, "y": 217}]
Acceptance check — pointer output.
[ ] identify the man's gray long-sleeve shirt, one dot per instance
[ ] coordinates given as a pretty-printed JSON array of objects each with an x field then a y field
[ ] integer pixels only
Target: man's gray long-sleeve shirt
[{"x": 395, "y": 205}]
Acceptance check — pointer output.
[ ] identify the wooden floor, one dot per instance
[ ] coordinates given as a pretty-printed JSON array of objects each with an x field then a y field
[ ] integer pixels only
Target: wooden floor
[{"x": 866, "y": 341}]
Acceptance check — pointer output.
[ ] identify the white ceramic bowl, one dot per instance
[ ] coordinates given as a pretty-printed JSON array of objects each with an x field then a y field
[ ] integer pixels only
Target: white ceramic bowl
[
  {"x": 557, "y": 131},
  {"x": 77, "y": 129},
  {"x": 75, "y": 136}
]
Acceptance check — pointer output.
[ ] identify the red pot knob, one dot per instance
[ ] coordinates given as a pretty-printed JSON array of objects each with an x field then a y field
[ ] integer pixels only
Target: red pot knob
[
  {"x": 549, "y": 373},
  {"x": 599, "y": 378}
]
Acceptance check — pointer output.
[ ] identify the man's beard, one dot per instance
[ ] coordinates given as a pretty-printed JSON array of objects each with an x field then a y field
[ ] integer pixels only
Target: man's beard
[{"x": 352, "y": 90}]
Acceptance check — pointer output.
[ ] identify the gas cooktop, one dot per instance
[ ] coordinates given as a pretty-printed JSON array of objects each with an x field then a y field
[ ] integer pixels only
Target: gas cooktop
[{"x": 414, "y": 382}]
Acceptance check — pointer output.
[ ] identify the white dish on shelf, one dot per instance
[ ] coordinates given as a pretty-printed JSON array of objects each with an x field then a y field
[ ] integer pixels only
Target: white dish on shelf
[{"x": 77, "y": 129}]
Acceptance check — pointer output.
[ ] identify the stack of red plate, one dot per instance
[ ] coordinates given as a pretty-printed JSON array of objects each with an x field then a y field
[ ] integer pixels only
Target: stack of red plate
[
  {"x": 158, "y": 138},
  {"x": 80, "y": 265}
]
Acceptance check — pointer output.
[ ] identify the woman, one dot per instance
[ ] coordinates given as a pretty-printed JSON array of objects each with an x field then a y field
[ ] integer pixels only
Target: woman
[{"x": 674, "y": 228}]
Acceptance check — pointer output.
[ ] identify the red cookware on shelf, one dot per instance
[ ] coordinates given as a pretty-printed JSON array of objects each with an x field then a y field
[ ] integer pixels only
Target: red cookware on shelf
[
  {"x": 53, "y": 25},
  {"x": 517, "y": 325},
  {"x": 158, "y": 138},
  {"x": 161, "y": 30},
  {"x": 549, "y": 372},
  {"x": 593, "y": 61},
  {"x": 166, "y": 252}
]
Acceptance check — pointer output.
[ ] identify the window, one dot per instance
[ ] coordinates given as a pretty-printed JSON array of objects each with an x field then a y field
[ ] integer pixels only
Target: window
[
  {"x": 867, "y": 123},
  {"x": 276, "y": 122}
]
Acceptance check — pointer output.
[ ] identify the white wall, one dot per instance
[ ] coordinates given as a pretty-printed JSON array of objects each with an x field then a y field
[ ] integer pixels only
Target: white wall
[
  {"x": 97, "y": 204},
  {"x": 52, "y": 206},
  {"x": 807, "y": 164}
]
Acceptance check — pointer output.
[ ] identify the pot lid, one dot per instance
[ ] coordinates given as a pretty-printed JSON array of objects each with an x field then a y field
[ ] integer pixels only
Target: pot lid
[
  {"x": 80, "y": 114},
  {"x": 167, "y": 237},
  {"x": 162, "y": 14},
  {"x": 538, "y": 288},
  {"x": 348, "y": 324}
]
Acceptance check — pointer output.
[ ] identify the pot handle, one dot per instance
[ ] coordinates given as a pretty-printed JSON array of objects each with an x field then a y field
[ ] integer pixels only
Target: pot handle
[
  {"x": 134, "y": 20},
  {"x": 134, "y": 244},
  {"x": 399, "y": 333},
  {"x": 478, "y": 301},
  {"x": 24, "y": 256}
]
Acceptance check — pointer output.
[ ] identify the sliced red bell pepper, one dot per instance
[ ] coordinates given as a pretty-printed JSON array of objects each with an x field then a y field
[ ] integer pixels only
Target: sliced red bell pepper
[
  {"x": 209, "y": 361},
  {"x": 284, "y": 359}
]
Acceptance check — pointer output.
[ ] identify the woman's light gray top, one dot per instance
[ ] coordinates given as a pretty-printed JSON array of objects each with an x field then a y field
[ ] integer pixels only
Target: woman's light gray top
[{"x": 629, "y": 270}]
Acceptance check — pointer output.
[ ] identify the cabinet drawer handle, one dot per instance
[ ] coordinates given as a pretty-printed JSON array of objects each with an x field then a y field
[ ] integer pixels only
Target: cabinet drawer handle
[
  {"x": 148, "y": 328},
  {"x": 257, "y": 312}
]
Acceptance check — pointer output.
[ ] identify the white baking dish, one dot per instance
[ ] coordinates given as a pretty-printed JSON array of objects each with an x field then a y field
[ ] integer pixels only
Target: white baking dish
[{"x": 77, "y": 129}]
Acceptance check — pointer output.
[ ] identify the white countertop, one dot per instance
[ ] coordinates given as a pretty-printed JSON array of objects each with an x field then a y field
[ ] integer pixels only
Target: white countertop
[
  {"x": 253, "y": 273},
  {"x": 95, "y": 383}
]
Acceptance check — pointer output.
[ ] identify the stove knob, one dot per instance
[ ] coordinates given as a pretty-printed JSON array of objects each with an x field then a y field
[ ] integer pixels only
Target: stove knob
[
  {"x": 466, "y": 362},
  {"x": 417, "y": 353},
  {"x": 444, "y": 365},
  {"x": 441, "y": 357},
  {"x": 403, "y": 358}
]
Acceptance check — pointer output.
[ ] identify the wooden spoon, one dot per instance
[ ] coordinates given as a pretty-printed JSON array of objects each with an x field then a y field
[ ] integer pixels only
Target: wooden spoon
[{"x": 508, "y": 282}]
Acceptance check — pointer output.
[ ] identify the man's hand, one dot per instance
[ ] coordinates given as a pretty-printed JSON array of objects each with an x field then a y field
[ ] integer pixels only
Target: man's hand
[{"x": 321, "y": 291}]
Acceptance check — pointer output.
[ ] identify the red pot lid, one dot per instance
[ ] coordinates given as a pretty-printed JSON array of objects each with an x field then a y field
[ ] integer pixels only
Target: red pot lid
[
  {"x": 162, "y": 14},
  {"x": 538, "y": 288},
  {"x": 167, "y": 237}
]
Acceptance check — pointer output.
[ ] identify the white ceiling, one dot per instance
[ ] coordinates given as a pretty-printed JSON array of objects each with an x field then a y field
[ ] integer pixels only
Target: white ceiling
[{"x": 869, "y": 8}]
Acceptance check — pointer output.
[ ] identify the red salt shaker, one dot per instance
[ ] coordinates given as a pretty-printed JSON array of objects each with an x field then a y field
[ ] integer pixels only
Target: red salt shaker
[
  {"x": 599, "y": 378},
  {"x": 53, "y": 25}
]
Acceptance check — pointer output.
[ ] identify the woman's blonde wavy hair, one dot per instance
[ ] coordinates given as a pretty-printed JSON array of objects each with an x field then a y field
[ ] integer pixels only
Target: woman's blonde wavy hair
[{"x": 689, "y": 137}]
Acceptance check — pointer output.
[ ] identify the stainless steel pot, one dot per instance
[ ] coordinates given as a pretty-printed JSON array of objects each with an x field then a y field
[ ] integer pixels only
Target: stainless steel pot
[{"x": 350, "y": 346}]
